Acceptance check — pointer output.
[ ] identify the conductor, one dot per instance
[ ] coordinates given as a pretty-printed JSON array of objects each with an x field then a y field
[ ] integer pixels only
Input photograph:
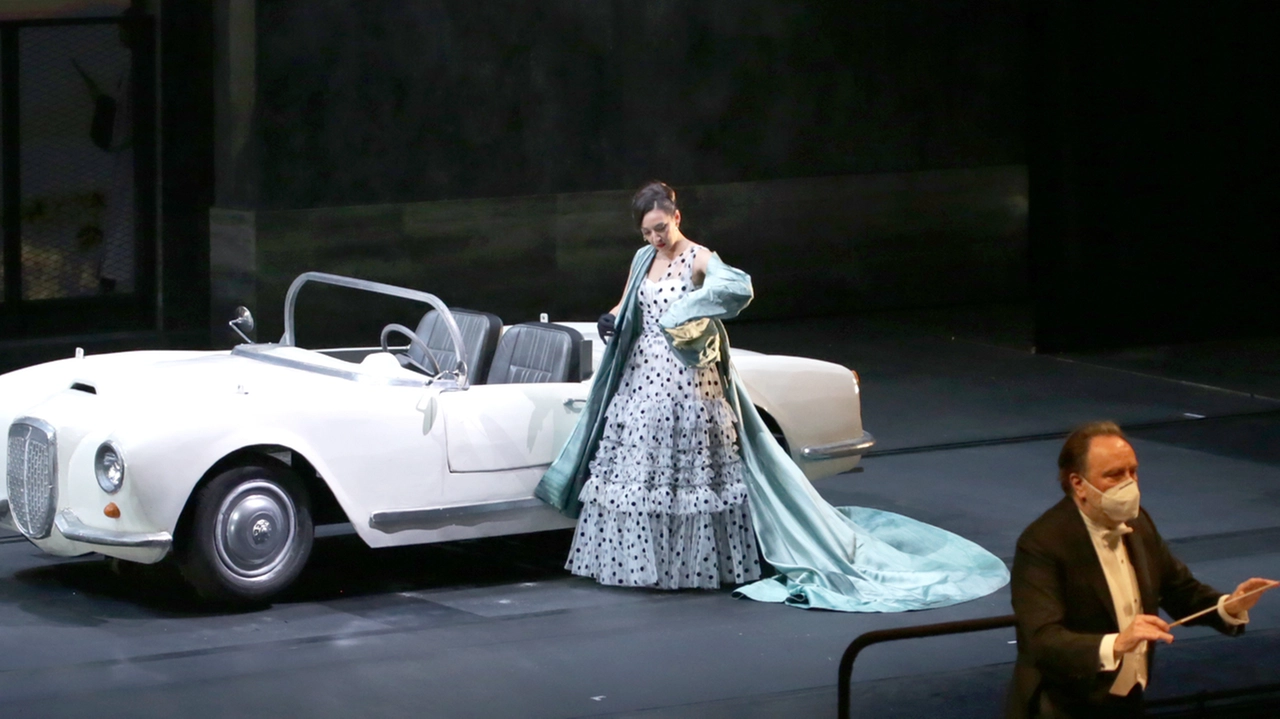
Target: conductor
[{"x": 1089, "y": 576}]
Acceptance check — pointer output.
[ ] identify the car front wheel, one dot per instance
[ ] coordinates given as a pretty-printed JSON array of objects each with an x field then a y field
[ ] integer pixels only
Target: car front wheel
[{"x": 250, "y": 535}]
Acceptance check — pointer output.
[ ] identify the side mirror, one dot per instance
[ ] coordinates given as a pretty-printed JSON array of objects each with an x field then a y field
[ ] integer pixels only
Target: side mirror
[
  {"x": 243, "y": 322},
  {"x": 428, "y": 406}
]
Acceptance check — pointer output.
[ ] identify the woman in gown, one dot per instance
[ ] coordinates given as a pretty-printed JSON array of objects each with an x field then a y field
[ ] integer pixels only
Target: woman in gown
[
  {"x": 674, "y": 477},
  {"x": 665, "y": 504}
]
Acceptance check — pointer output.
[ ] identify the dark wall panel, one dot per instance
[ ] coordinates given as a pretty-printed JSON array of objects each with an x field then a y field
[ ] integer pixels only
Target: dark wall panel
[
  {"x": 187, "y": 160},
  {"x": 813, "y": 246},
  {"x": 1152, "y": 165},
  {"x": 391, "y": 101}
]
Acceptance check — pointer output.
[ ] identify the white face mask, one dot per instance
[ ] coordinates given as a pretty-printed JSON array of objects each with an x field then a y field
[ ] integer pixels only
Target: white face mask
[{"x": 1120, "y": 503}]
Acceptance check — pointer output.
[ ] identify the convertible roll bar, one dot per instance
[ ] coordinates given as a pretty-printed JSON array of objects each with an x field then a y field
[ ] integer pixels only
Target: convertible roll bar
[{"x": 291, "y": 299}]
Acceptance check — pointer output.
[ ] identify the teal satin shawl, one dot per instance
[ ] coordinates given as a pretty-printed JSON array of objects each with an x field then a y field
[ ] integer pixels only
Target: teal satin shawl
[
  {"x": 841, "y": 558},
  {"x": 566, "y": 476}
]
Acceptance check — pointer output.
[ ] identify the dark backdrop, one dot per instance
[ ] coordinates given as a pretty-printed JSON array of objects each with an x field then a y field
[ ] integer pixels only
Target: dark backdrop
[
  {"x": 186, "y": 164},
  {"x": 1150, "y": 144},
  {"x": 849, "y": 155},
  {"x": 1153, "y": 171},
  {"x": 388, "y": 101}
]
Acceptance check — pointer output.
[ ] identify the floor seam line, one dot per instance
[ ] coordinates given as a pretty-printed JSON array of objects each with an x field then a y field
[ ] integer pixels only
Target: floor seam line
[{"x": 1043, "y": 436}]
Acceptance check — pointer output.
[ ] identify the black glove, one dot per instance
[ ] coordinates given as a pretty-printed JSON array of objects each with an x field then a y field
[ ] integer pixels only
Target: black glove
[{"x": 605, "y": 327}]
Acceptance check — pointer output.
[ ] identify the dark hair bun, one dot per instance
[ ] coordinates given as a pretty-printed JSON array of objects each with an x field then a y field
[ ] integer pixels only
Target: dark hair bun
[{"x": 653, "y": 196}]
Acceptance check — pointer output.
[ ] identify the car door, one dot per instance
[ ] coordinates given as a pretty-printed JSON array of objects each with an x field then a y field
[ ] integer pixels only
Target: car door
[{"x": 500, "y": 438}]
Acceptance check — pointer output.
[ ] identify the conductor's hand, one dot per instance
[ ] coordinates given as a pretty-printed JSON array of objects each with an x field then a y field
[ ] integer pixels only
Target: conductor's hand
[
  {"x": 1235, "y": 606},
  {"x": 605, "y": 326},
  {"x": 1145, "y": 628}
]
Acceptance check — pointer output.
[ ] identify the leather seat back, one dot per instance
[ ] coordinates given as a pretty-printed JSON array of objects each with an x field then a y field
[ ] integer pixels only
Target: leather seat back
[
  {"x": 480, "y": 332},
  {"x": 537, "y": 352}
]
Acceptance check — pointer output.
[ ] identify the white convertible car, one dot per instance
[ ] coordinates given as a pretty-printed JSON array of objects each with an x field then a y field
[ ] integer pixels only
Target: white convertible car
[{"x": 227, "y": 460}]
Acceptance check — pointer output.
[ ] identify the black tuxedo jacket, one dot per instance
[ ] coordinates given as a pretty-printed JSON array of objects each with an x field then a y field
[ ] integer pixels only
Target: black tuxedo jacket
[{"x": 1064, "y": 607}]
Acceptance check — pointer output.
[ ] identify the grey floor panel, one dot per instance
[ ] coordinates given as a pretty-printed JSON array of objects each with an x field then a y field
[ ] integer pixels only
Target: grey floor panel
[
  {"x": 978, "y": 693},
  {"x": 569, "y": 648},
  {"x": 495, "y": 628},
  {"x": 1243, "y": 365},
  {"x": 537, "y": 597},
  {"x": 689, "y": 649},
  {"x": 989, "y": 494},
  {"x": 930, "y": 390},
  {"x": 682, "y": 661}
]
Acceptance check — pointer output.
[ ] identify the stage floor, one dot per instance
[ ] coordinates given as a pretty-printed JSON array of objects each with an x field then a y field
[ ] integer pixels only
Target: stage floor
[{"x": 968, "y": 421}]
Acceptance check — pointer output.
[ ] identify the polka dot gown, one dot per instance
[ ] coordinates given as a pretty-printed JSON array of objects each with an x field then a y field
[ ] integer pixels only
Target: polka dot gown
[{"x": 665, "y": 505}]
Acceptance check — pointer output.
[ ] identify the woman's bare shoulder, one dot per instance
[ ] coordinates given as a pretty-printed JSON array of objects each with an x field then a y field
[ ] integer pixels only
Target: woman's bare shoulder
[{"x": 702, "y": 256}]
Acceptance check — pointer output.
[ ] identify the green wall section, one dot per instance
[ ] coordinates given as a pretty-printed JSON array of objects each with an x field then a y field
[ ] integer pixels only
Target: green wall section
[{"x": 813, "y": 246}]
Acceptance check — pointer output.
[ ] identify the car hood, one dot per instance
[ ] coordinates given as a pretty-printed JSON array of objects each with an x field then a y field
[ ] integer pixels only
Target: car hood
[
  {"x": 159, "y": 374},
  {"x": 163, "y": 377}
]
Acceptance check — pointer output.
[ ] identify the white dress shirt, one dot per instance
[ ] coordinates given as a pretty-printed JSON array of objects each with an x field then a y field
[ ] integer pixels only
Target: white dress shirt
[{"x": 1127, "y": 600}]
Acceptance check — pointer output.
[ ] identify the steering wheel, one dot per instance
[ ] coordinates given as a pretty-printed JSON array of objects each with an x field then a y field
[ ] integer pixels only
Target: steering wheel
[{"x": 414, "y": 341}]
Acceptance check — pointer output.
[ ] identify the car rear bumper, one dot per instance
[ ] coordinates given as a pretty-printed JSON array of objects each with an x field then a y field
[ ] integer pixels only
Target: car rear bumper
[{"x": 836, "y": 450}]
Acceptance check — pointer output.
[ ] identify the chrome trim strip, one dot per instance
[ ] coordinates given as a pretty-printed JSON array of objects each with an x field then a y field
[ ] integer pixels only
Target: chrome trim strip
[
  {"x": 399, "y": 520},
  {"x": 843, "y": 448},
  {"x": 261, "y": 353},
  {"x": 291, "y": 300},
  {"x": 39, "y": 424},
  {"x": 70, "y": 526},
  {"x": 5, "y": 519}
]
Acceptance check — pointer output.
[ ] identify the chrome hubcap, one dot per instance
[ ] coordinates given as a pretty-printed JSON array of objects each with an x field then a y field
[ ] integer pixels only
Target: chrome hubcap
[
  {"x": 255, "y": 530},
  {"x": 262, "y": 531}
]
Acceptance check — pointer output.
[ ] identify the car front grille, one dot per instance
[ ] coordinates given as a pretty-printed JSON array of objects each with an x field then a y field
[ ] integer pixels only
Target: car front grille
[{"x": 32, "y": 476}]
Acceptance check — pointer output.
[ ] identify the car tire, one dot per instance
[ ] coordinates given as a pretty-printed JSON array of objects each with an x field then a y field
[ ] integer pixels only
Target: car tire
[
  {"x": 774, "y": 429},
  {"x": 249, "y": 536}
]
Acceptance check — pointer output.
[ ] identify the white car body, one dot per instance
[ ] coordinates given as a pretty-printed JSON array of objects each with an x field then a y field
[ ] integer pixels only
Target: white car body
[{"x": 407, "y": 460}]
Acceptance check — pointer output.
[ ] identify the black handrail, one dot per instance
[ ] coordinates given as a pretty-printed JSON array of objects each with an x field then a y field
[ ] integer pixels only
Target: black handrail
[
  {"x": 888, "y": 635},
  {"x": 978, "y": 625}
]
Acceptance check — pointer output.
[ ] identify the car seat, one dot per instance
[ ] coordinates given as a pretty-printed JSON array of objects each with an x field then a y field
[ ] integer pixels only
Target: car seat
[
  {"x": 537, "y": 352},
  {"x": 480, "y": 331}
]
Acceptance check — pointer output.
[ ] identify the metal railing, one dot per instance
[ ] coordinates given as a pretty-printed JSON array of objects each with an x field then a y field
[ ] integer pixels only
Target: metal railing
[
  {"x": 1199, "y": 699},
  {"x": 889, "y": 635}
]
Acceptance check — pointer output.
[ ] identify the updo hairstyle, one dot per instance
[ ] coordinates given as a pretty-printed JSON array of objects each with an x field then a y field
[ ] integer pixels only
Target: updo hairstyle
[{"x": 653, "y": 196}]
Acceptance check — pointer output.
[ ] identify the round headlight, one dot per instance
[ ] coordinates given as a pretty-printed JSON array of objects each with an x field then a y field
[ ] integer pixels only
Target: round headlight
[{"x": 108, "y": 466}]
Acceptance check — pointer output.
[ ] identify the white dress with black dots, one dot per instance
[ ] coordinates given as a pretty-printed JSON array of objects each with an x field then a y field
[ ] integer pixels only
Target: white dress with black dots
[{"x": 665, "y": 505}]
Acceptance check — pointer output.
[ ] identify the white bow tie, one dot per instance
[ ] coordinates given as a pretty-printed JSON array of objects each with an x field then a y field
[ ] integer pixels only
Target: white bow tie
[{"x": 1113, "y": 536}]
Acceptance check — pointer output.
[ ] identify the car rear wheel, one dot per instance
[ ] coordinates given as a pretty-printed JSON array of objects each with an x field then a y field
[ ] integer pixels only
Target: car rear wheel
[
  {"x": 250, "y": 534},
  {"x": 774, "y": 429}
]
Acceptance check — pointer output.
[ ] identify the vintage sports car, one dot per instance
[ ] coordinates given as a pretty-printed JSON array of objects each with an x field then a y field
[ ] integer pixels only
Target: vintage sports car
[{"x": 227, "y": 460}]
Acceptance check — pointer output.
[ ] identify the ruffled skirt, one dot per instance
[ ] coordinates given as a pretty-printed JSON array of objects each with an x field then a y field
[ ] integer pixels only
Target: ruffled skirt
[{"x": 665, "y": 505}]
